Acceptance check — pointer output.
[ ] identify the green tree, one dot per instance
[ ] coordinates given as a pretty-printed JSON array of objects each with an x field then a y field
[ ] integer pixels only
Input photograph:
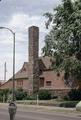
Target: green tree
[{"x": 63, "y": 42}]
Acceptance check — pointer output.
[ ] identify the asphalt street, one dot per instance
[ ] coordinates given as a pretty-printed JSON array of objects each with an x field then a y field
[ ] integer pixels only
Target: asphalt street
[{"x": 36, "y": 114}]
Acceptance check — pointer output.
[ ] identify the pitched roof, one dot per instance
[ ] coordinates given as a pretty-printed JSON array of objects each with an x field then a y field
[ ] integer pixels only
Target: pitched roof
[
  {"x": 44, "y": 63},
  {"x": 23, "y": 72}
]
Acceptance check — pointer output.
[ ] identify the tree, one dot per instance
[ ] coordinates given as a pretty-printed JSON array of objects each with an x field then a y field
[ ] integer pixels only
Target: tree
[{"x": 63, "y": 42}]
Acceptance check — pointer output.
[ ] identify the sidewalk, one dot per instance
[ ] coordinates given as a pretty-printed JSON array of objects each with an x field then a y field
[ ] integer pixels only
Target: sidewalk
[{"x": 23, "y": 107}]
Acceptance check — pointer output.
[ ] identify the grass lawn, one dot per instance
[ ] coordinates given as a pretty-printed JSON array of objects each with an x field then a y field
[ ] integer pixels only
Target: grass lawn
[{"x": 49, "y": 103}]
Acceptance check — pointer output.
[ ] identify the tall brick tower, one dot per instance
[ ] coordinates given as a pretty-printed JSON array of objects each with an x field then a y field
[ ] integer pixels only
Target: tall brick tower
[{"x": 33, "y": 59}]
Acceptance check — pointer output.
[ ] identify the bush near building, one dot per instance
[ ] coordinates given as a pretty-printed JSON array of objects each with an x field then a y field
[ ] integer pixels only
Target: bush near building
[
  {"x": 4, "y": 95},
  {"x": 44, "y": 95},
  {"x": 74, "y": 95},
  {"x": 20, "y": 94}
]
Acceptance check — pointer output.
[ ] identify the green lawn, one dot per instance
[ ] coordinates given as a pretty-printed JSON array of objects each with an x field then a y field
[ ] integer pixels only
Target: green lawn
[{"x": 49, "y": 103}]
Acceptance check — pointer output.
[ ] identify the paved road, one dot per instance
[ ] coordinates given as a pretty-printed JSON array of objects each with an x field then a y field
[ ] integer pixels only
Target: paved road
[{"x": 36, "y": 114}]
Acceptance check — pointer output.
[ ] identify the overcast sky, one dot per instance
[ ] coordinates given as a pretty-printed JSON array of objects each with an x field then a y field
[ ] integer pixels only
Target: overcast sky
[{"x": 18, "y": 15}]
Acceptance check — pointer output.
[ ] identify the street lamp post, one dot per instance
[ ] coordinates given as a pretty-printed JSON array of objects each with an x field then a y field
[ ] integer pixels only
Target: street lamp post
[
  {"x": 12, "y": 105},
  {"x": 13, "y": 88},
  {"x": 5, "y": 72}
]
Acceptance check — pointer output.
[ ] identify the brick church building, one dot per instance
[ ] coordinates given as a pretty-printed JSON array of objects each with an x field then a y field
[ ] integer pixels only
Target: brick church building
[{"x": 36, "y": 74}]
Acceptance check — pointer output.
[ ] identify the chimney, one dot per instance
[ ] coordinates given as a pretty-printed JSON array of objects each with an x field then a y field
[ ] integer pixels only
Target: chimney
[{"x": 33, "y": 59}]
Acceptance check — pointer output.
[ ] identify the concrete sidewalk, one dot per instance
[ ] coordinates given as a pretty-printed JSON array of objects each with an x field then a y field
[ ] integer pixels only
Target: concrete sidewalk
[{"x": 23, "y": 107}]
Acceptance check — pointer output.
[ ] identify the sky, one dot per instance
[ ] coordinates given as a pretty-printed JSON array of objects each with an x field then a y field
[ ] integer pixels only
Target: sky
[{"x": 18, "y": 15}]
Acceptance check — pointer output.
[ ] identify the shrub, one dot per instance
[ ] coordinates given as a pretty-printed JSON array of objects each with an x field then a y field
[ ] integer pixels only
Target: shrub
[
  {"x": 66, "y": 98},
  {"x": 20, "y": 94},
  {"x": 32, "y": 97},
  {"x": 68, "y": 104},
  {"x": 44, "y": 95},
  {"x": 4, "y": 95},
  {"x": 75, "y": 94}
]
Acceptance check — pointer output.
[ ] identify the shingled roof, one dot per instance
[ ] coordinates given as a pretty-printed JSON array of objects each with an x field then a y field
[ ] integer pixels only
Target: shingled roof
[
  {"x": 46, "y": 61},
  {"x": 44, "y": 64},
  {"x": 23, "y": 72}
]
